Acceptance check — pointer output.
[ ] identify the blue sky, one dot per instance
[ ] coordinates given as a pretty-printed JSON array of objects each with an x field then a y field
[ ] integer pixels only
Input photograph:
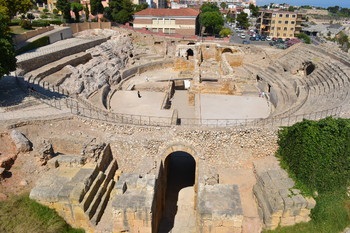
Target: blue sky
[{"x": 321, "y": 3}]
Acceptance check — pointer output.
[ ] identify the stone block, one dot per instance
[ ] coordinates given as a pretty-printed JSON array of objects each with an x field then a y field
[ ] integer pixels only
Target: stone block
[
  {"x": 299, "y": 219},
  {"x": 311, "y": 203},
  {"x": 136, "y": 223},
  {"x": 304, "y": 212},
  {"x": 288, "y": 202},
  {"x": 21, "y": 142},
  {"x": 287, "y": 221},
  {"x": 222, "y": 230},
  {"x": 228, "y": 223},
  {"x": 238, "y": 221},
  {"x": 143, "y": 229}
]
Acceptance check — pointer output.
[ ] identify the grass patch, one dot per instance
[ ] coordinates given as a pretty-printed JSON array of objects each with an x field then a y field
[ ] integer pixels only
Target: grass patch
[
  {"x": 331, "y": 215},
  {"x": 16, "y": 30},
  {"x": 21, "y": 214}
]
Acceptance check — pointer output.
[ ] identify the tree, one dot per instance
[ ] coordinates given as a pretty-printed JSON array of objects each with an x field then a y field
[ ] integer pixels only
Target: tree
[
  {"x": 7, "y": 51},
  {"x": 64, "y": 7},
  {"x": 242, "y": 20},
  {"x": 334, "y": 9},
  {"x": 225, "y": 32},
  {"x": 121, "y": 10},
  {"x": 304, "y": 37},
  {"x": 87, "y": 12},
  {"x": 96, "y": 7},
  {"x": 291, "y": 8},
  {"x": 16, "y": 6},
  {"x": 140, "y": 7},
  {"x": 211, "y": 18},
  {"x": 212, "y": 21},
  {"x": 223, "y": 5},
  {"x": 76, "y": 7},
  {"x": 254, "y": 9},
  {"x": 209, "y": 6}
]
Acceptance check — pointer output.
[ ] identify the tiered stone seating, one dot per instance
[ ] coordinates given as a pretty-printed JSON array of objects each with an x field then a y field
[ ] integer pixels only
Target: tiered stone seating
[{"x": 328, "y": 88}]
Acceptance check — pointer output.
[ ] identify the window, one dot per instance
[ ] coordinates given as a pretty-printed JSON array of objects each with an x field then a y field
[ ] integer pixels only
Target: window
[
  {"x": 154, "y": 21},
  {"x": 284, "y": 34},
  {"x": 278, "y": 28},
  {"x": 285, "y": 28},
  {"x": 273, "y": 22},
  {"x": 287, "y": 15},
  {"x": 272, "y": 28},
  {"x": 291, "y": 35},
  {"x": 280, "y": 15},
  {"x": 286, "y": 22},
  {"x": 273, "y": 15},
  {"x": 293, "y": 16},
  {"x": 292, "y": 22},
  {"x": 279, "y": 21},
  {"x": 155, "y": 30}
]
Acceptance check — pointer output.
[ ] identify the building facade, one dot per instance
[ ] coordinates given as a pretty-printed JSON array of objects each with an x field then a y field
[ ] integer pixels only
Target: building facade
[
  {"x": 168, "y": 21},
  {"x": 280, "y": 24}
]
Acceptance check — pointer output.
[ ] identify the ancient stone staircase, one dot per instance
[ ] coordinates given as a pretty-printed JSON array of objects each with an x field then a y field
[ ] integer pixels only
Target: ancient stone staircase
[
  {"x": 78, "y": 190},
  {"x": 96, "y": 198}
]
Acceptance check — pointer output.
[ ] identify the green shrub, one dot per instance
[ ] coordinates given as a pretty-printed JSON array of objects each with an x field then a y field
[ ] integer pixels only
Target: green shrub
[
  {"x": 35, "y": 44},
  {"x": 14, "y": 22},
  {"x": 317, "y": 154},
  {"x": 40, "y": 23},
  {"x": 26, "y": 24},
  {"x": 55, "y": 21},
  {"x": 21, "y": 214}
]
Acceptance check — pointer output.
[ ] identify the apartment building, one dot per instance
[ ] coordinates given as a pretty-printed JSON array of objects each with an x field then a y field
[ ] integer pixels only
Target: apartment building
[
  {"x": 168, "y": 21},
  {"x": 280, "y": 24}
]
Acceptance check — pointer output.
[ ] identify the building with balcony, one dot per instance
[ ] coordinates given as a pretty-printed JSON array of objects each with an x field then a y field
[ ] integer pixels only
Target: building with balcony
[
  {"x": 168, "y": 21},
  {"x": 280, "y": 24}
]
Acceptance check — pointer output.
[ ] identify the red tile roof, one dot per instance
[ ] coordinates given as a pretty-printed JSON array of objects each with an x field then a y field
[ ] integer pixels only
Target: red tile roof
[{"x": 167, "y": 12}]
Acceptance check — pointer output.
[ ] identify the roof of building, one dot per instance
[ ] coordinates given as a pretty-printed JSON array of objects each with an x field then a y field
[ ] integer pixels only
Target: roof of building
[{"x": 167, "y": 12}]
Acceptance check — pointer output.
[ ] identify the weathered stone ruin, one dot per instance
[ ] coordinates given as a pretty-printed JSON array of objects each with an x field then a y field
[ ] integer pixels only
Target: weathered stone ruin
[{"x": 279, "y": 203}]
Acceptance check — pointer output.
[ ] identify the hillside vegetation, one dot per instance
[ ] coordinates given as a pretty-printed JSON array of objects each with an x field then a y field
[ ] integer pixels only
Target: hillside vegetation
[{"x": 317, "y": 155}]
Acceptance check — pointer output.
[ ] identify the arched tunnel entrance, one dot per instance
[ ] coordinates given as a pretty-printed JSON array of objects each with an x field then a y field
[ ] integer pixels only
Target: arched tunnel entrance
[{"x": 179, "y": 172}]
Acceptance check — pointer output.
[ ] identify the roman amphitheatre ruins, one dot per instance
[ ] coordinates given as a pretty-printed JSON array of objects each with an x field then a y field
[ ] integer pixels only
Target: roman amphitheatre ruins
[{"x": 120, "y": 131}]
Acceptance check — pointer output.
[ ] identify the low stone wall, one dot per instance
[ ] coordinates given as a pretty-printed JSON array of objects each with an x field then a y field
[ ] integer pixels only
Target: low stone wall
[
  {"x": 78, "y": 27},
  {"x": 147, "y": 67},
  {"x": 36, "y": 62},
  {"x": 27, "y": 35}
]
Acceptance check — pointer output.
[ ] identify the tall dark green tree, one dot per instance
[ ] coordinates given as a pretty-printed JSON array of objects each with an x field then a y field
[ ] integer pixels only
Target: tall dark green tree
[
  {"x": 96, "y": 7},
  {"x": 209, "y": 6},
  {"x": 76, "y": 7},
  {"x": 121, "y": 10},
  {"x": 87, "y": 12},
  {"x": 242, "y": 20},
  {"x": 210, "y": 18},
  {"x": 254, "y": 10},
  {"x": 64, "y": 7},
  {"x": 7, "y": 51}
]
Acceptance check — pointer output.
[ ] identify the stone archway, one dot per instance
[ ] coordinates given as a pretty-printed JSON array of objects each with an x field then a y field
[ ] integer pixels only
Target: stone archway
[
  {"x": 189, "y": 54},
  {"x": 179, "y": 184},
  {"x": 227, "y": 50}
]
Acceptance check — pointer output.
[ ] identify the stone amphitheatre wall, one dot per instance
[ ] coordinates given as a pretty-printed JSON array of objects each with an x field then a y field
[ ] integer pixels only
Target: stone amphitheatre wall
[
  {"x": 147, "y": 67},
  {"x": 36, "y": 62},
  {"x": 78, "y": 27}
]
